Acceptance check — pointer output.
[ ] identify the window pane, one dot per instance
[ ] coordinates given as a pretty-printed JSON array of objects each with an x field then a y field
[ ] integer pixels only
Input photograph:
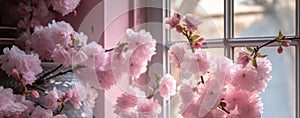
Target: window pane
[
  {"x": 254, "y": 18},
  {"x": 210, "y": 12},
  {"x": 279, "y": 96},
  {"x": 175, "y": 101}
]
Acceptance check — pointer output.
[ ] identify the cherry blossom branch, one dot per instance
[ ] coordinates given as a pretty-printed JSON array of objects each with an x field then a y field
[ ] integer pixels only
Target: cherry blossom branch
[
  {"x": 52, "y": 71},
  {"x": 255, "y": 51},
  {"x": 185, "y": 33},
  {"x": 64, "y": 72},
  {"x": 39, "y": 104},
  {"x": 42, "y": 79},
  {"x": 108, "y": 50}
]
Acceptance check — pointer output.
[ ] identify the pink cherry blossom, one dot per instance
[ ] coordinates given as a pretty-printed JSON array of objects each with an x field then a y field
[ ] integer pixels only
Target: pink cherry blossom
[
  {"x": 243, "y": 58},
  {"x": 264, "y": 67},
  {"x": 39, "y": 112},
  {"x": 126, "y": 101},
  {"x": 29, "y": 104},
  {"x": 96, "y": 55},
  {"x": 186, "y": 94},
  {"x": 62, "y": 56},
  {"x": 247, "y": 79},
  {"x": 28, "y": 78},
  {"x": 176, "y": 53},
  {"x": 168, "y": 86},
  {"x": 18, "y": 60},
  {"x": 196, "y": 63},
  {"x": 148, "y": 108},
  {"x": 138, "y": 61},
  {"x": 23, "y": 41},
  {"x": 13, "y": 105},
  {"x": 105, "y": 74},
  {"x": 78, "y": 95},
  {"x": 64, "y": 6},
  {"x": 136, "y": 39},
  {"x": 191, "y": 22},
  {"x": 140, "y": 48},
  {"x": 91, "y": 95},
  {"x": 246, "y": 103},
  {"x": 45, "y": 39},
  {"x": 174, "y": 20},
  {"x": 78, "y": 57},
  {"x": 68, "y": 56},
  {"x": 192, "y": 110},
  {"x": 198, "y": 43},
  {"x": 253, "y": 79},
  {"x": 80, "y": 37},
  {"x": 51, "y": 99}
]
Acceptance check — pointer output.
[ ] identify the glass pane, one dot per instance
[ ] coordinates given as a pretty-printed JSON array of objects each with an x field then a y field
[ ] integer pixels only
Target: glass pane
[
  {"x": 210, "y": 12},
  {"x": 175, "y": 101},
  {"x": 254, "y": 18},
  {"x": 279, "y": 96}
]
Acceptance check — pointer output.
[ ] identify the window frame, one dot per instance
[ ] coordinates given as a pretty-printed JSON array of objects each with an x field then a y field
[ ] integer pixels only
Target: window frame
[{"x": 229, "y": 42}]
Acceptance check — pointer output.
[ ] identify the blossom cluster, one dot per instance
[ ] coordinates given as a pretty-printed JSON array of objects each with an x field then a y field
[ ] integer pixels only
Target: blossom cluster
[
  {"x": 224, "y": 88},
  {"x": 98, "y": 68},
  {"x": 40, "y": 12}
]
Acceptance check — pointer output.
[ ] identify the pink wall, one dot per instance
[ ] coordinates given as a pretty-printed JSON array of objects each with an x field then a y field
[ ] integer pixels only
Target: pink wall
[{"x": 103, "y": 21}]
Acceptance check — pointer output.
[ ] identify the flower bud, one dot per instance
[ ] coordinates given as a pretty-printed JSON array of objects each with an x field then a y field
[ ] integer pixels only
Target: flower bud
[
  {"x": 286, "y": 43},
  {"x": 69, "y": 95},
  {"x": 15, "y": 74},
  {"x": 280, "y": 50},
  {"x": 35, "y": 94}
]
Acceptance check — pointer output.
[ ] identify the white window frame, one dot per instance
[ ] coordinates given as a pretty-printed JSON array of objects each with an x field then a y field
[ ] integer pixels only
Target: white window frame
[{"x": 229, "y": 42}]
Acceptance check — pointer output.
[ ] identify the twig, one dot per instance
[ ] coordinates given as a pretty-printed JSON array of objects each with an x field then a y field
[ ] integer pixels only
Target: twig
[
  {"x": 58, "y": 74},
  {"x": 48, "y": 73},
  {"x": 64, "y": 72}
]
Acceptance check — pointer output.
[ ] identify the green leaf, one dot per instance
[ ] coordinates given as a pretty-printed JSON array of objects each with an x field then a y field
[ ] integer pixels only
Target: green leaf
[
  {"x": 194, "y": 38},
  {"x": 261, "y": 55},
  {"x": 249, "y": 49},
  {"x": 254, "y": 63},
  {"x": 280, "y": 35},
  {"x": 75, "y": 42}
]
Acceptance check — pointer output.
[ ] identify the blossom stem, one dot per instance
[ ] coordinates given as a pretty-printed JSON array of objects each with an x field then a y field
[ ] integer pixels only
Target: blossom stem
[
  {"x": 58, "y": 74},
  {"x": 37, "y": 87},
  {"x": 202, "y": 80},
  {"x": 62, "y": 107},
  {"x": 222, "y": 108},
  {"x": 190, "y": 40},
  {"x": 40, "y": 105},
  {"x": 108, "y": 50},
  {"x": 64, "y": 72},
  {"x": 42, "y": 79},
  {"x": 48, "y": 73}
]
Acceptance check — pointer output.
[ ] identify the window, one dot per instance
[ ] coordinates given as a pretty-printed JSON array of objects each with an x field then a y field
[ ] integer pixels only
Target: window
[{"x": 229, "y": 25}]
